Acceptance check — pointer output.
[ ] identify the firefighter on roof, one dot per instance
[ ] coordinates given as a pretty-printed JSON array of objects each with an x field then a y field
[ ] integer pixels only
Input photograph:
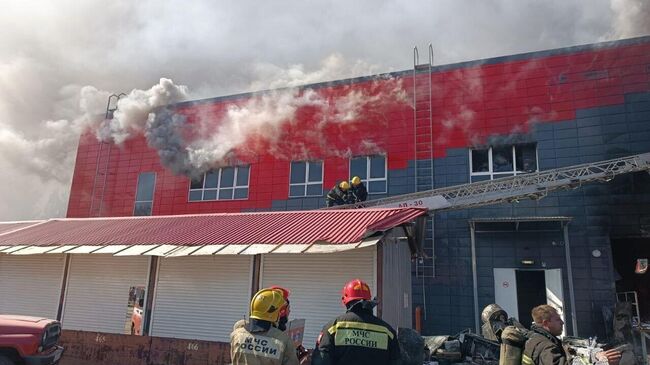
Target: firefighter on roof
[
  {"x": 358, "y": 192},
  {"x": 357, "y": 337},
  {"x": 258, "y": 342},
  {"x": 339, "y": 195}
]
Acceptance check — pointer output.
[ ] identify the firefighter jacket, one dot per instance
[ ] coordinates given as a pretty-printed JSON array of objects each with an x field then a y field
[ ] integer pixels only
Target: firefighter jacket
[
  {"x": 270, "y": 347},
  {"x": 357, "y": 337},
  {"x": 542, "y": 348},
  {"x": 336, "y": 196},
  {"x": 358, "y": 193}
]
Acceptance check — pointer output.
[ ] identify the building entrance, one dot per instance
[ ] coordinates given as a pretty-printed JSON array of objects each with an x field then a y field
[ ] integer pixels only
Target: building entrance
[{"x": 518, "y": 291}]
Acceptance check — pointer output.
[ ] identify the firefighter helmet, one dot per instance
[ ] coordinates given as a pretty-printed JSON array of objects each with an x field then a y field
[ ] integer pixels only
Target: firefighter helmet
[
  {"x": 356, "y": 289},
  {"x": 284, "y": 311},
  {"x": 492, "y": 312},
  {"x": 355, "y": 181},
  {"x": 266, "y": 305},
  {"x": 344, "y": 185}
]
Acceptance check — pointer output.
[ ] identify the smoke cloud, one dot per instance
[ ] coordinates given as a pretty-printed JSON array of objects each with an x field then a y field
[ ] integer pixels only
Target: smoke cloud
[
  {"x": 258, "y": 126},
  {"x": 50, "y": 50}
]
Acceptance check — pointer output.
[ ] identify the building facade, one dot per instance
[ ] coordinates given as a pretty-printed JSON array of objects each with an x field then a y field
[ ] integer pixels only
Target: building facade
[{"x": 426, "y": 128}]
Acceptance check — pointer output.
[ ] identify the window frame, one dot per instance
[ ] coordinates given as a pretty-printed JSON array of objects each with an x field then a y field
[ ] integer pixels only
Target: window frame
[
  {"x": 368, "y": 179},
  {"x": 307, "y": 182},
  {"x": 495, "y": 175},
  {"x": 219, "y": 188},
  {"x": 153, "y": 192}
]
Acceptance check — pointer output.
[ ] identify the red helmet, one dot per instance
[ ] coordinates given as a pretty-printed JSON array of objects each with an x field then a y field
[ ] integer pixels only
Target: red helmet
[
  {"x": 355, "y": 290},
  {"x": 284, "y": 311}
]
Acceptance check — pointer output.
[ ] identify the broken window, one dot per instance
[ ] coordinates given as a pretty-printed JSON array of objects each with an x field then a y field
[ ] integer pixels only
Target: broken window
[
  {"x": 306, "y": 178},
  {"x": 226, "y": 183},
  {"x": 502, "y": 161}
]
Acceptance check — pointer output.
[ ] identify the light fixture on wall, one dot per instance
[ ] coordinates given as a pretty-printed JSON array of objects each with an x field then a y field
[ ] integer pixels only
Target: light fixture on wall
[{"x": 527, "y": 262}]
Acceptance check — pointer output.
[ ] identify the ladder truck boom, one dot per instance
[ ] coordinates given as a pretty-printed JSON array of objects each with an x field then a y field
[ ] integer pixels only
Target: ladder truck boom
[{"x": 534, "y": 186}]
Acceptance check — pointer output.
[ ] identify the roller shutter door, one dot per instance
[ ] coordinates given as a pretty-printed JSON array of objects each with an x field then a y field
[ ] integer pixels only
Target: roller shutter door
[
  {"x": 31, "y": 284},
  {"x": 201, "y": 297},
  {"x": 98, "y": 291},
  {"x": 316, "y": 280}
]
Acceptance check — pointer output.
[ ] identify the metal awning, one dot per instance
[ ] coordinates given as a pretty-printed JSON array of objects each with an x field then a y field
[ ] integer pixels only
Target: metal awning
[
  {"x": 518, "y": 224},
  {"x": 317, "y": 231}
]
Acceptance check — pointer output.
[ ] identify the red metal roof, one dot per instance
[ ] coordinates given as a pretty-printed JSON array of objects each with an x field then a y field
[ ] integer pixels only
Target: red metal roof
[
  {"x": 294, "y": 227},
  {"x": 6, "y": 227}
]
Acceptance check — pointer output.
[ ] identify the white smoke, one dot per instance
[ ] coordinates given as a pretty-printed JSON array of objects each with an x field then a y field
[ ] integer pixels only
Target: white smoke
[
  {"x": 257, "y": 125},
  {"x": 333, "y": 67},
  {"x": 133, "y": 110},
  {"x": 631, "y": 18}
]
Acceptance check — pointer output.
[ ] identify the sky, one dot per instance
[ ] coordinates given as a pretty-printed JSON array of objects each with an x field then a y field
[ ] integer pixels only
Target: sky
[{"x": 59, "y": 60}]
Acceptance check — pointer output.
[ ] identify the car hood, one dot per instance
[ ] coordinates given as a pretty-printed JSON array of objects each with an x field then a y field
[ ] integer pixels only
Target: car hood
[{"x": 12, "y": 324}]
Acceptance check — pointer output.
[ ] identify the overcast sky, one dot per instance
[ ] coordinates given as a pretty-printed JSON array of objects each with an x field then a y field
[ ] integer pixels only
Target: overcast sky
[{"x": 50, "y": 50}]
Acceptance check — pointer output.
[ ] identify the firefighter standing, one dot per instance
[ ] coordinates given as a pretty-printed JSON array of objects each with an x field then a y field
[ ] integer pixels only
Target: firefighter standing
[
  {"x": 339, "y": 195},
  {"x": 258, "y": 342},
  {"x": 357, "y": 337},
  {"x": 545, "y": 348},
  {"x": 358, "y": 192}
]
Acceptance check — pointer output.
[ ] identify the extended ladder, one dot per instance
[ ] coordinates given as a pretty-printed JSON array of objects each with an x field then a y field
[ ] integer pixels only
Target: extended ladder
[
  {"x": 423, "y": 159},
  {"x": 534, "y": 186},
  {"x": 102, "y": 162}
]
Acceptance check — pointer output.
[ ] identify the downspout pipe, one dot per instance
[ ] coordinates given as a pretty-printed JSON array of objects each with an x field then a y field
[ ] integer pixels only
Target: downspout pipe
[
  {"x": 472, "y": 229},
  {"x": 569, "y": 270}
]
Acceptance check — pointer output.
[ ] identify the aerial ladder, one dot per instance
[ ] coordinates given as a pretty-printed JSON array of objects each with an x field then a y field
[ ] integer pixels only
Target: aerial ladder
[
  {"x": 535, "y": 186},
  {"x": 102, "y": 163}
]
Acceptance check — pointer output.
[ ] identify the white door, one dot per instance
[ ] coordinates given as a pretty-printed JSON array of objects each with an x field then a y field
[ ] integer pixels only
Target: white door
[
  {"x": 505, "y": 291},
  {"x": 201, "y": 297},
  {"x": 554, "y": 293},
  {"x": 316, "y": 281},
  {"x": 97, "y": 295},
  {"x": 30, "y": 285}
]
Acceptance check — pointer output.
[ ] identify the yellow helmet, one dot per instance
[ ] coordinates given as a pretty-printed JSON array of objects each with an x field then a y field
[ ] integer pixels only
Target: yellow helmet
[
  {"x": 344, "y": 185},
  {"x": 356, "y": 180},
  {"x": 266, "y": 305}
]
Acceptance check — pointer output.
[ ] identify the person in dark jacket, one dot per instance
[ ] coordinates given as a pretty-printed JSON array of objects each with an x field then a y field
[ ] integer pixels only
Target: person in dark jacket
[
  {"x": 358, "y": 191},
  {"x": 357, "y": 337},
  {"x": 338, "y": 195},
  {"x": 545, "y": 348}
]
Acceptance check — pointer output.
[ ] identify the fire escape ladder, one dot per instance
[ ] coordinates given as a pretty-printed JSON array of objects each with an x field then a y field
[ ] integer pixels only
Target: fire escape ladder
[
  {"x": 423, "y": 146},
  {"x": 102, "y": 163}
]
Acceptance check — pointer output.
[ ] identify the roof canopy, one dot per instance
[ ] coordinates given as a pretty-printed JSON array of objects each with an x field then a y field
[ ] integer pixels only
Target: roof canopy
[{"x": 207, "y": 234}]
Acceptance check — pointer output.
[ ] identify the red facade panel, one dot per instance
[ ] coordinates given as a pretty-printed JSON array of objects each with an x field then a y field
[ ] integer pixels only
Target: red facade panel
[{"x": 467, "y": 103}]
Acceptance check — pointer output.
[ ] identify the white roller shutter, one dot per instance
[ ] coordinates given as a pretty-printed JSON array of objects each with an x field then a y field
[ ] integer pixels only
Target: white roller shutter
[
  {"x": 98, "y": 291},
  {"x": 31, "y": 284},
  {"x": 316, "y": 280},
  {"x": 201, "y": 297}
]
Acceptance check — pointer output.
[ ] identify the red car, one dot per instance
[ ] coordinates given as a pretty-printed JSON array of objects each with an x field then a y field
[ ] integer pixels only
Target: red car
[{"x": 29, "y": 340}]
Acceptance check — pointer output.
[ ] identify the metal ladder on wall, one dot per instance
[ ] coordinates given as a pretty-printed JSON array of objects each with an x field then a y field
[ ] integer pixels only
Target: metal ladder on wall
[
  {"x": 423, "y": 143},
  {"x": 102, "y": 162}
]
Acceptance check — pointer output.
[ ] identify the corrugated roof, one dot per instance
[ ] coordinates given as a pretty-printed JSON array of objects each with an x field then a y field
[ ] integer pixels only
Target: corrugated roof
[
  {"x": 6, "y": 227},
  {"x": 335, "y": 227}
]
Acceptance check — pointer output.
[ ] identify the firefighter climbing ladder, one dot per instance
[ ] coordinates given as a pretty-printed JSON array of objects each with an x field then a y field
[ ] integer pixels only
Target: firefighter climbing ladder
[
  {"x": 534, "y": 186},
  {"x": 102, "y": 163},
  {"x": 423, "y": 161}
]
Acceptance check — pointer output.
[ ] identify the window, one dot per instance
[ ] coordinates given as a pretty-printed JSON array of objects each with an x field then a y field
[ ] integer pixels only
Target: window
[
  {"x": 306, "y": 178},
  {"x": 372, "y": 171},
  {"x": 226, "y": 183},
  {"x": 502, "y": 161},
  {"x": 144, "y": 193}
]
